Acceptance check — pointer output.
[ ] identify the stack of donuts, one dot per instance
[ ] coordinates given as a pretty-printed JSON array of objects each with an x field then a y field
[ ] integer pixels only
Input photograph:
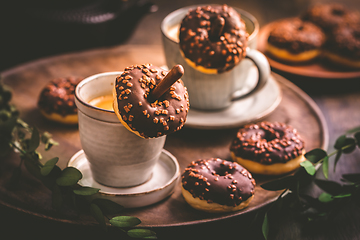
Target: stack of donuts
[{"x": 324, "y": 30}]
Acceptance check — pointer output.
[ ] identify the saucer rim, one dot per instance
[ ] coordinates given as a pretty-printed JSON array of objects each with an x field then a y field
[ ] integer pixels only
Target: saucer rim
[
  {"x": 234, "y": 124},
  {"x": 174, "y": 177}
]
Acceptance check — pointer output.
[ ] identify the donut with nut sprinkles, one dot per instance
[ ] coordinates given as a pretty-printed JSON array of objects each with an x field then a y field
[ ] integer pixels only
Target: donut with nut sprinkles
[
  {"x": 216, "y": 185},
  {"x": 56, "y": 101},
  {"x": 213, "y": 38},
  {"x": 268, "y": 148},
  {"x": 139, "y": 111}
]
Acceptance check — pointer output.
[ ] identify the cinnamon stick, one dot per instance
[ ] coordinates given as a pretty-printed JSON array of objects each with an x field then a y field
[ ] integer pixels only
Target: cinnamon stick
[{"x": 173, "y": 75}]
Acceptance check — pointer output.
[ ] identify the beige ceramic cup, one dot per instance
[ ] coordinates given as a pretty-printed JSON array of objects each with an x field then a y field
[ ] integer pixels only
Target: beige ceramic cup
[
  {"x": 117, "y": 157},
  {"x": 216, "y": 91}
]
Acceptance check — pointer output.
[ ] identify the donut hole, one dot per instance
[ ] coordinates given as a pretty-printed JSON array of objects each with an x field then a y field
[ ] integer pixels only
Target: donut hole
[
  {"x": 300, "y": 28},
  {"x": 338, "y": 12},
  {"x": 223, "y": 171},
  {"x": 356, "y": 35},
  {"x": 272, "y": 135}
]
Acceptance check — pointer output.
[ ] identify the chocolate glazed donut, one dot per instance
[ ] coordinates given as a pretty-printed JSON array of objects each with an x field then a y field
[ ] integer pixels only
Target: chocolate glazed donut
[
  {"x": 295, "y": 40},
  {"x": 213, "y": 37},
  {"x": 268, "y": 148},
  {"x": 343, "y": 46},
  {"x": 56, "y": 101},
  {"x": 216, "y": 185},
  {"x": 145, "y": 116},
  {"x": 330, "y": 16}
]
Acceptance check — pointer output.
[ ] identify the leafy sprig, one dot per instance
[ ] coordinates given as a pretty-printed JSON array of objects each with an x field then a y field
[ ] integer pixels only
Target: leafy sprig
[
  {"x": 333, "y": 193},
  {"x": 16, "y": 135}
]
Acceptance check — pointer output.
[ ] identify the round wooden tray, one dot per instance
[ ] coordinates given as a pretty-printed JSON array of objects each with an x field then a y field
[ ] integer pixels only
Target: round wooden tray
[
  {"x": 320, "y": 68},
  {"x": 296, "y": 108}
]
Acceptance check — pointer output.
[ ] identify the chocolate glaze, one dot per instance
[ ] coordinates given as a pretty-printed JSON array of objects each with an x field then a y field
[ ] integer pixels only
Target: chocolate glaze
[
  {"x": 219, "y": 181},
  {"x": 222, "y": 51},
  {"x": 345, "y": 41},
  {"x": 58, "y": 96},
  {"x": 267, "y": 143},
  {"x": 331, "y": 15},
  {"x": 296, "y": 36},
  {"x": 164, "y": 116}
]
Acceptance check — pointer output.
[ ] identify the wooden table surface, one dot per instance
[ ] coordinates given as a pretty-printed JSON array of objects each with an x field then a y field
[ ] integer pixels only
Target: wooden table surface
[{"x": 338, "y": 99}]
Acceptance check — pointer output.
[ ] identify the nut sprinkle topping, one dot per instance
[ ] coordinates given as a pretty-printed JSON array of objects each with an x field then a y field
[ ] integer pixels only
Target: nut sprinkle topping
[
  {"x": 58, "y": 96},
  {"x": 267, "y": 143},
  {"x": 150, "y": 118},
  {"x": 213, "y": 37},
  {"x": 219, "y": 181}
]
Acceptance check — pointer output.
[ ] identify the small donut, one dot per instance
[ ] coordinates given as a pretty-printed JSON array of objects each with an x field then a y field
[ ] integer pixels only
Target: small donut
[
  {"x": 268, "y": 148},
  {"x": 343, "y": 47},
  {"x": 216, "y": 185},
  {"x": 146, "y": 117},
  {"x": 56, "y": 101},
  {"x": 331, "y": 15},
  {"x": 294, "y": 40},
  {"x": 213, "y": 39}
]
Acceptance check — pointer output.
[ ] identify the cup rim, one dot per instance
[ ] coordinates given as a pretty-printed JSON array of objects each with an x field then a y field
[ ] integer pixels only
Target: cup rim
[
  {"x": 87, "y": 80},
  {"x": 239, "y": 10}
]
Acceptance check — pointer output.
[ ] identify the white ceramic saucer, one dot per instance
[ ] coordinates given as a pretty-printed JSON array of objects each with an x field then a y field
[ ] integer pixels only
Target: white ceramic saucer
[
  {"x": 240, "y": 112},
  {"x": 165, "y": 177}
]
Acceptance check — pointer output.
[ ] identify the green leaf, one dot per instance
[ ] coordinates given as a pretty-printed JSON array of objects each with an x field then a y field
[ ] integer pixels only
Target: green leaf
[
  {"x": 352, "y": 177},
  {"x": 315, "y": 155},
  {"x": 349, "y": 145},
  {"x": 340, "y": 141},
  {"x": 279, "y": 184},
  {"x": 357, "y": 137},
  {"x": 45, "y": 137},
  {"x": 325, "y": 167},
  {"x": 325, "y": 197},
  {"x": 337, "y": 158},
  {"x": 125, "y": 221},
  {"x": 49, "y": 166},
  {"x": 345, "y": 195},
  {"x": 48, "y": 141},
  {"x": 309, "y": 167},
  {"x": 6, "y": 94},
  {"x": 108, "y": 206},
  {"x": 34, "y": 140},
  {"x": 98, "y": 215},
  {"x": 142, "y": 233},
  {"x": 22, "y": 124},
  {"x": 69, "y": 176},
  {"x": 86, "y": 191},
  {"x": 265, "y": 227},
  {"x": 7, "y": 126},
  {"x": 49, "y": 144},
  {"x": 303, "y": 178},
  {"x": 331, "y": 187},
  {"x": 356, "y": 129}
]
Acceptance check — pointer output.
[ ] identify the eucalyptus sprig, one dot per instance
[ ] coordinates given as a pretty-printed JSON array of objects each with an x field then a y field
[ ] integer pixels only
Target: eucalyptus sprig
[
  {"x": 334, "y": 194},
  {"x": 16, "y": 135}
]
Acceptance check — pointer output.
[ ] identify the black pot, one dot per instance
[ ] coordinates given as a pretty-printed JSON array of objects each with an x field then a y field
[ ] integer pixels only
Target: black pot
[{"x": 38, "y": 28}]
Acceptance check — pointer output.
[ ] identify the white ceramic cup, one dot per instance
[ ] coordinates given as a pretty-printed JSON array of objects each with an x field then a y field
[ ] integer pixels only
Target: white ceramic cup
[
  {"x": 216, "y": 91},
  {"x": 117, "y": 157}
]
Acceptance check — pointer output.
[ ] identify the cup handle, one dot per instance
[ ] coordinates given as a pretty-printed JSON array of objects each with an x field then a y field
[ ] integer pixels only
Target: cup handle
[{"x": 264, "y": 71}]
